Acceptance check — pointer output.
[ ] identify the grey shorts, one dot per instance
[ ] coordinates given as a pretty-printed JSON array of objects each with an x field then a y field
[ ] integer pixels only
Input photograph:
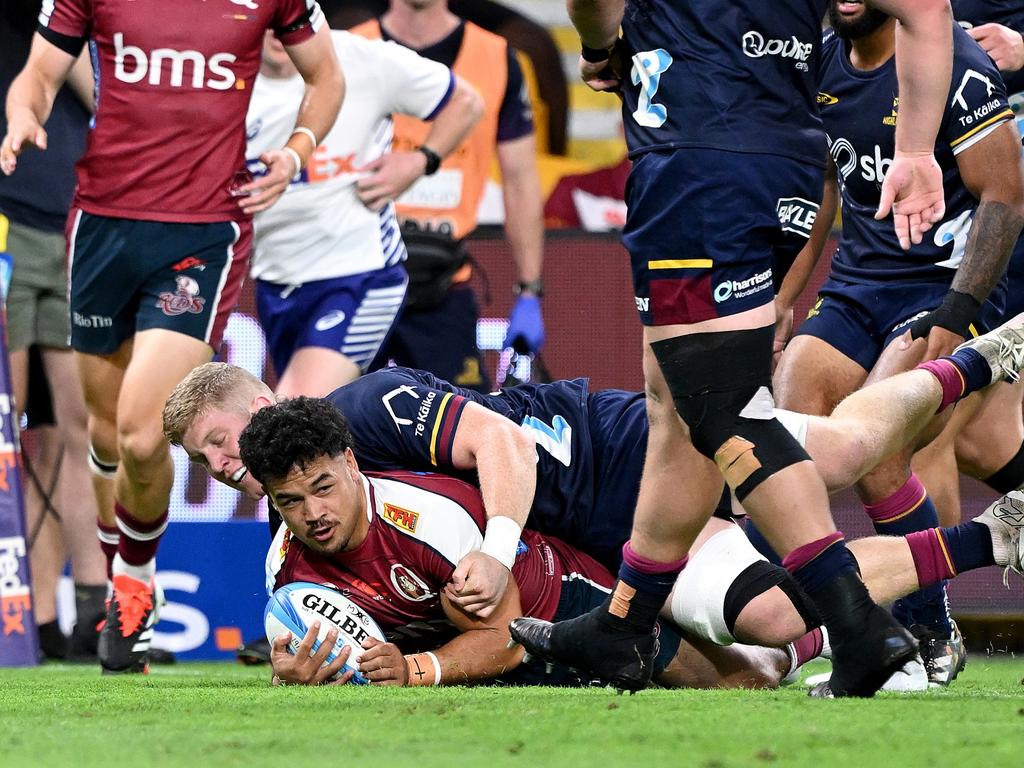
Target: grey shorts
[{"x": 37, "y": 302}]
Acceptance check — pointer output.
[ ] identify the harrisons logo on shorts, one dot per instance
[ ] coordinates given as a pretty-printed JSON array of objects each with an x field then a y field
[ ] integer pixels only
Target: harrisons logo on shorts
[
  {"x": 738, "y": 289},
  {"x": 756, "y": 46}
]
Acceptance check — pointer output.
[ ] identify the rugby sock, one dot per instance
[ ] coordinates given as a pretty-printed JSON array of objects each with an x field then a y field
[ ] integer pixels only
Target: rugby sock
[
  {"x": 642, "y": 589},
  {"x": 908, "y": 510},
  {"x": 110, "y": 536},
  {"x": 139, "y": 538},
  {"x": 806, "y": 648},
  {"x": 760, "y": 543},
  {"x": 942, "y": 553},
  {"x": 1010, "y": 477},
  {"x": 815, "y": 564},
  {"x": 960, "y": 374}
]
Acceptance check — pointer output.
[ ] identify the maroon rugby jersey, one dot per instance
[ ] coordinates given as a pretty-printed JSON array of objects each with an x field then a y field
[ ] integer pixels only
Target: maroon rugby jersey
[
  {"x": 174, "y": 82},
  {"x": 421, "y": 525}
]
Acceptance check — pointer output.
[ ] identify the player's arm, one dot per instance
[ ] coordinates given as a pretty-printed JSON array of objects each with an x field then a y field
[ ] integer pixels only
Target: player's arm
[
  {"x": 30, "y": 99},
  {"x": 81, "y": 81},
  {"x": 325, "y": 89},
  {"x": 912, "y": 188},
  {"x": 597, "y": 22},
  {"x": 480, "y": 652},
  {"x": 991, "y": 170},
  {"x": 505, "y": 459},
  {"x": 524, "y": 229},
  {"x": 800, "y": 271},
  {"x": 393, "y": 173},
  {"x": 1004, "y": 45}
]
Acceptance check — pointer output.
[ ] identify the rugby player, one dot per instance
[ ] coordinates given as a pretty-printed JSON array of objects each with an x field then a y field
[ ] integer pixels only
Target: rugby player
[
  {"x": 328, "y": 258},
  {"x": 702, "y": 274},
  {"x": 390, "y": 543},
  {"x": 160, "y": 230},
  {"x": 879, "y": 298}
]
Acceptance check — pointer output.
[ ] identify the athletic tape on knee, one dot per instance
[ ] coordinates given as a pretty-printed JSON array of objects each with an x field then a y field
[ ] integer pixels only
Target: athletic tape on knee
[{"x": 99, "y": 467}]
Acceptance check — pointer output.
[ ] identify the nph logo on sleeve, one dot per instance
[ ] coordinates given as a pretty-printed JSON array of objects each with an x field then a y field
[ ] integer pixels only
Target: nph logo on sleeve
[{"x": 132, "y": 64}]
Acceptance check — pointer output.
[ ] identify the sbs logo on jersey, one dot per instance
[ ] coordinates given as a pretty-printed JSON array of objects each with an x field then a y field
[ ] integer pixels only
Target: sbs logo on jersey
[
  {"x": 133, "y": 65},
  {"x": 756, "y": 46}
]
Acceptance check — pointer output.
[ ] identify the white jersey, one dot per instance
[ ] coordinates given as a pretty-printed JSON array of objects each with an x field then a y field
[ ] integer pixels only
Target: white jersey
[{"x": 319, "y": 229}]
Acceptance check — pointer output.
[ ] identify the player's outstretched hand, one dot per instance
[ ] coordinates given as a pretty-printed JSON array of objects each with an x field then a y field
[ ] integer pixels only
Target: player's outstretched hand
[
  {"x": 23, "y": 131},
  {"x": 389, "y": 176},
  {"x": 912, "y": 191},
  {"x": 306, "y": 667},
  {"x": 477, "y": 584},
  {"x": 262, "y": 193},
  {"x": 1004, "y": 45},
  {"x": 383, "y": 663}
]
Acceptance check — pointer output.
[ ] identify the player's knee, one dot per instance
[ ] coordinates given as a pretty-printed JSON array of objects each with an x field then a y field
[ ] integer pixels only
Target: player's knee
[
  {"x": 770, "y": 619},
  {"x": 141, "y": 448},
  {"x": 721, "y": 387}
]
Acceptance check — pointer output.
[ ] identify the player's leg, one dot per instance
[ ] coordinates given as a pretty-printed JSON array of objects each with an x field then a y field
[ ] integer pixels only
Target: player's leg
[
  {"x": 77, "y": 501},
  {"x": 990, "y": 447},
  {"x": 935, "y": 463},
  {"x": 700, "y": 664},
  {"x": 341, "y": 324}
]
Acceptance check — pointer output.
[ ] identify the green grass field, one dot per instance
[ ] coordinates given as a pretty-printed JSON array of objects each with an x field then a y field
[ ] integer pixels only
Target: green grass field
[{"x": 226, "y": 715}]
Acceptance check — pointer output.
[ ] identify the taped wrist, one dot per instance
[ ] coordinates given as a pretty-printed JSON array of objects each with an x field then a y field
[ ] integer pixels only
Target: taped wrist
[
  {"x": 501, "y": 540},
  {"x": 424, "y": 669},
  {"x": 721, "y": 386},
  {"x": 955, "y": 314}
]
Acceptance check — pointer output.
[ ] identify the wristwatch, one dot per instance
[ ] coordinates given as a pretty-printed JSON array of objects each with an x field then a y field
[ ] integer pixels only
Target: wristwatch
[{"x": 433, "y": 160}]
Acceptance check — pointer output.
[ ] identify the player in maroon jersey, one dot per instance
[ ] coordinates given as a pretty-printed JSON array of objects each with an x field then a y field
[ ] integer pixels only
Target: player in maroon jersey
[{"x": 159, "y": 233}]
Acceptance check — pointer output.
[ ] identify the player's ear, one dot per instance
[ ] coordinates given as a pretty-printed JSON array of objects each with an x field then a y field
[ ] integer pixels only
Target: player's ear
[
  {"x": 259, "y": 402},
  {"x": 350, "y": 462}
]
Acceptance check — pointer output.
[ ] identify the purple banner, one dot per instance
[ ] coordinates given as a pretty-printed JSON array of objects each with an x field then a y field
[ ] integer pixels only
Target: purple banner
[{"x": 18, "y": 641}]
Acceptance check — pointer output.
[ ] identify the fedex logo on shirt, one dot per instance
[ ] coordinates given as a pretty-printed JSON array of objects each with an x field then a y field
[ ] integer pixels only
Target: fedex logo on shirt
[{"x": 133, "y": 65}]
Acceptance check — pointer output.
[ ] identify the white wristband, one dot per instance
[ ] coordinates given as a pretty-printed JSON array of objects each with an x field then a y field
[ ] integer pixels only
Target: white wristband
[
  {"x": 501, "y": 540},
  {"x": 307, "y": 132},
  {"x": 437, "y": 668},
  {"x": 294, "y": 156}
]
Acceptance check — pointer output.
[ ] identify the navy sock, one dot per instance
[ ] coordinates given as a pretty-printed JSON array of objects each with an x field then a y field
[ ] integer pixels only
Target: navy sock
[
  {"x": 816, "y": 564},
  {"x": 970, "y": 546},
  {"x": 1010, "y": 477},
  {"x": 975, "y": 368}
]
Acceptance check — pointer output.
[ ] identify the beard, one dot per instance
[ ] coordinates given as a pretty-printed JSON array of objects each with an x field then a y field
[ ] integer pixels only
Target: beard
[{"x": 870, "y": 20}]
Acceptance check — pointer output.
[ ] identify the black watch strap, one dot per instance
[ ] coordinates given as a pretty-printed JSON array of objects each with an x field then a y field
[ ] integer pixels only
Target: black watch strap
[
  {"x": 536, "y": 287},
  {"x": 595, "y": 55},
  {"x": 433, "y": 160}
]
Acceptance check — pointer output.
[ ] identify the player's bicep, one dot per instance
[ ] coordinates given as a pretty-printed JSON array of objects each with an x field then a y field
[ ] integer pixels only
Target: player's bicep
[
  {"x": 991, "y": 168},
  {"x": 49, "y": 63},
  {"x": 478, "y": 427},
  {"x": 315, "y": 57}
]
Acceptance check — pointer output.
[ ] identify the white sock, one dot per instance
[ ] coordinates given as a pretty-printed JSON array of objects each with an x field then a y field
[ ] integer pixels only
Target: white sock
[{"x": 143, "y": 573}]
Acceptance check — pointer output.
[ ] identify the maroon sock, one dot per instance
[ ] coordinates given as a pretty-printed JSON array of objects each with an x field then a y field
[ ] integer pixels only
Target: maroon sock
[
  {"x": 950, "y": 378},
  {"x": 110, "y": 536},
  {"x": 139, "y": 538},
  {"x": 931, "y": 555},
  {"x": 808, "y": 647}
]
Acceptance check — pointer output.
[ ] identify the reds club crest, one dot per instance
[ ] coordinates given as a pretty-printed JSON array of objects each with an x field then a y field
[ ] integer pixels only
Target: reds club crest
[{"x": 185, "y": 299}]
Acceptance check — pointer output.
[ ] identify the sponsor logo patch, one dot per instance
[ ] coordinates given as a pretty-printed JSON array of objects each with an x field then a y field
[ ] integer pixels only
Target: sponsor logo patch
[
  {"x": 185, "y": 299},
  {"x": 796, "y": 215},
  {"x": 409, "y": 585},
  {"x": 402, "y": 518},
  {"x": 330, "y": 320}
]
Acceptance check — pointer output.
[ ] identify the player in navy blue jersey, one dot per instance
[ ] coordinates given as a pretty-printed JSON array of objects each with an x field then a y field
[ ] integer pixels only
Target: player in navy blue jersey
[
  {"x": 719, "y": 106},
  {"x": 988, "y": 442},
  {"x": 879, "y": 298}
]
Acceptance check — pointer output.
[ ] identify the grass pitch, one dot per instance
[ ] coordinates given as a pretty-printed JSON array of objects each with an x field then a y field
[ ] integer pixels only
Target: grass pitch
[{"x": 227, "y": 715}]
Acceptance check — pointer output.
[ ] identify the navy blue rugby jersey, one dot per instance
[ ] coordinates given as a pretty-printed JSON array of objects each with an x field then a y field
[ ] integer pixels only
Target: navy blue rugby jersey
[
  {"x": 738, "y": 76},
  {"x": 1009, "y": 13},
  {"x": 403, "y": 419},
  {"x": 859, "y": 110}
]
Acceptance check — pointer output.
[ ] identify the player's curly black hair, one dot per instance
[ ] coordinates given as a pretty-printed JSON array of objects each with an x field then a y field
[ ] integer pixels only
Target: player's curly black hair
[{"x": 292, "y": 434}]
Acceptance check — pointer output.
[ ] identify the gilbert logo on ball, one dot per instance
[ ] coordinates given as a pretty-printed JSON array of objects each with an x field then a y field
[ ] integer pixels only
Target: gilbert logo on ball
[{"x": 294, "y": 607}]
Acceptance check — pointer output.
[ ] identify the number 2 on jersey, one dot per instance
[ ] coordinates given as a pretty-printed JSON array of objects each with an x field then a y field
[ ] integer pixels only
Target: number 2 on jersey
[{"x": 648, "y": 67}]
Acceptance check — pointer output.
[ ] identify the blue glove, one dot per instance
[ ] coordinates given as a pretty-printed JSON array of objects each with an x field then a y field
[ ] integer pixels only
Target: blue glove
[{"x": 525, "y": 326}]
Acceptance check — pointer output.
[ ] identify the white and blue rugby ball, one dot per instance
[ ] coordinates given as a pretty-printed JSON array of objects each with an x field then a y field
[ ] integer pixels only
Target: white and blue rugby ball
[{"x": 294, "y": 607}]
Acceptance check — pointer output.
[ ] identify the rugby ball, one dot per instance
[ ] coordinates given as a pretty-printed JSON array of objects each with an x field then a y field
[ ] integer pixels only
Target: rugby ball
[{"x": 294, "y": 607}]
